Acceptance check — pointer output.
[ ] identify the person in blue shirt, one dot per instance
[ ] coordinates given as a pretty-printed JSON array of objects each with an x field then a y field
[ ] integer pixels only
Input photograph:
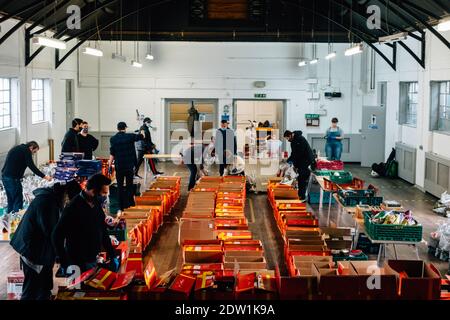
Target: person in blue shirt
[{"x": 334, "y": 136}]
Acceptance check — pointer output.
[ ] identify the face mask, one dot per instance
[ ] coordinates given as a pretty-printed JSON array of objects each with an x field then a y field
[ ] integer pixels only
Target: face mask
[
  {"x": 102, "y": 199},
  {"x": 85, "y": 130}
]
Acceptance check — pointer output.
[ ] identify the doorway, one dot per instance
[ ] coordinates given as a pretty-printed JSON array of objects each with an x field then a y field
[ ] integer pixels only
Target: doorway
[
  {"x": 373, "y": 132},
  {"x": 246, "y": 112},
  {"x": 177, "y": 115}
]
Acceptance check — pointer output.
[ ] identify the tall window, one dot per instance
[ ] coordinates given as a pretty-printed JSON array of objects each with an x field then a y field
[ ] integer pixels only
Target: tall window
[
  {"x": 37, "y": 101},
  {"x": 408, "y": 103},
  {"x": 440, "y": 106},
  {"x": 444, "y": 105},
  {"x": 5, "y": 103}
]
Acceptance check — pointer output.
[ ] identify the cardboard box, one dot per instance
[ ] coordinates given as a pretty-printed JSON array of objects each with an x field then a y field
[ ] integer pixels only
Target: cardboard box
[
  {"x": 302, "y": 287},
  {"x": 338, "y": 284},
  {"x": 285, "y": 194},
  {"x": 198, "y": 252},
  {"x": 14, "y": 285},
  {"x": 245, "y": 265},
  {"x": 135, "y": 263},
  {"x": 417, "y": 280},
  {"x": 196, "y": 229},
  {"x": 376, "y": 283}
]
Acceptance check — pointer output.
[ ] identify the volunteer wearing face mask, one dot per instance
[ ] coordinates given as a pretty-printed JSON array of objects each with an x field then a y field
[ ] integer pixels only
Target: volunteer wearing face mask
[
  {"x": 32, "y": 239},
  {"x": 81, "y": 233},
  {"x": 334, "y": 136},
  {"x": 88, "y": 144},
  {"x": 146, "y": 146},
  {"x": 302, "y": 158},
  {"x": 70, "y": 142}
]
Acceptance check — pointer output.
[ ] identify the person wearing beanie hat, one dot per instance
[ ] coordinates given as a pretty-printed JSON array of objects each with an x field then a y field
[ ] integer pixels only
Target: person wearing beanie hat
[
  {"x": 146, "y": 146},
  {"x": 123, "y": 154}
]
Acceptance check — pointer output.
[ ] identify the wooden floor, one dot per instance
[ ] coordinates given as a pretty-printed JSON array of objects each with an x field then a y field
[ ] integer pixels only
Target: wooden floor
[{"x": 166, "y": 253}]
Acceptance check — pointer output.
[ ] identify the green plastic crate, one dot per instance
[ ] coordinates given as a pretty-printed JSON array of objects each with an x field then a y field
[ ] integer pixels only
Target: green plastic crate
[
  {"x": 342, "y": 178},
  {"x": 361, "y": 257},
  {"x": 327, "y": 173},
  {"x": 354, "y": 201},
  {"x": 314, "y": 197},
  {"x": 392, "y": 232}
]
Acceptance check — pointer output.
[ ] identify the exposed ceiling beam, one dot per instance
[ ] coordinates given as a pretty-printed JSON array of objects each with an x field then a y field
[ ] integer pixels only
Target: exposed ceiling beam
[
  {"x": 58, "y": 61},
  {"x": 421, "y": 9},
  {"x": 358, "y": 33},
  {"x": 48, "y": 14},
  {"x": 425, "y": 24},
  {"x": 91, "y": 13},
  {"x": 22, "y": 10},
  {"x": 410, "y": 22},
  {"x": 22, "y": 22}
]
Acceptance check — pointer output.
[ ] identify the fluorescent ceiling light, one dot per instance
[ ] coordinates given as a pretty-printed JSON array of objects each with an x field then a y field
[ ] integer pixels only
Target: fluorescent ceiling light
[
  {"x": 444, "y": 24},
  {"x": 150, "y": 57},
  {"x": 302, "y": 63},
  {"x": 314, "y": 61},
  {"x": 331, "y": 55},
  {"x": 393, "y": 37},
  {"x": 49, "y": 42},
  {"x": 93, "y": 52},
  {"x": 136, "y": 64},
  {"x": 354, "y": 50},
  {"x": 117, "y": 56}
]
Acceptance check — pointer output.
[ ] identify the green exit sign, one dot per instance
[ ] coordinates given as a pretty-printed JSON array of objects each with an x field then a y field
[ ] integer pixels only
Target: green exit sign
[
  {"x": 260, "y": 95},
  {"x": 312, "y": 116}
]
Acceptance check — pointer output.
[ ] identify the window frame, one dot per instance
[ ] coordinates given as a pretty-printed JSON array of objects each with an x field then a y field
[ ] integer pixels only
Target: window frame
[
  {"x": 40, "y": 111},
  {"x": 436, "y": 106},
  {"x": 8, "y": 115},
  {"x": 407, "y": 106}
]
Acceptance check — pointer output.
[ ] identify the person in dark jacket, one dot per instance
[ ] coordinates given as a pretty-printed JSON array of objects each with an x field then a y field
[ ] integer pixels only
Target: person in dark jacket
[
  {"x": 123, "y": 153},
  {"x": 81, "y": 233},
  {"x": 70, "y": 142},
  {"x": 192, "y": 157},
  {"x": 87, "y": 143},
  {"x": 146, "y": 146},
  {"x": 302, "y": 157},
  {"x": 32, "y": 239},
  {"x": 225, "y": 146},
  {"x": 17, "y": 161}
]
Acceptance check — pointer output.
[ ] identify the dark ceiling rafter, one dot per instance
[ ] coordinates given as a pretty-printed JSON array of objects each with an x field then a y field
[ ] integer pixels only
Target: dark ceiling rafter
[
  {"x": 401, "y": 16},
  {"x": 21, "y": 11},
  {"x": 58, "y": 35},
  {"x": 424, "y": 23},
  {"x": 420, "y": 9},
  {"x": 29, "y": 58},
  {"x": 442, "y": 5},
  {"x": 421, "y": 39},
  {"x": 101, "y": 6},
  {"x": 48, "y": 14},
  {"x": 360, "y": 14},
  {"x": 6, "y": 3},
  {"x": 22, "y": 22},
  {"x": 59, "y": 61},
  {"x": 356, "y": 32}
]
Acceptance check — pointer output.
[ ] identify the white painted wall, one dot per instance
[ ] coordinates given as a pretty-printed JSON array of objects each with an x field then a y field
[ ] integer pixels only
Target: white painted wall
[
  {"x": 223, "y": 71},
  {"x": 12, "y": 65},
  {"x": 437, "y": 67}
]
